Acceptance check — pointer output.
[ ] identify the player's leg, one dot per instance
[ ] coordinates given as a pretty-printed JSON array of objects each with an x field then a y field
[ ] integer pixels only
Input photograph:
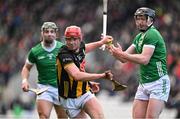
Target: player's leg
[
  {"x": 94, "y": 109},
  {"x": 140, "y": 103},
  {"x": 44, "y": 102},
  {"x": 139, "y": 109},
  {"x": 61, "y": 114},
  {"x": 44, "y": 108},
  {"x": 154, "y": 108},
  {"x": 159, "y": 93},
  {"x": 82, "y": 115}
]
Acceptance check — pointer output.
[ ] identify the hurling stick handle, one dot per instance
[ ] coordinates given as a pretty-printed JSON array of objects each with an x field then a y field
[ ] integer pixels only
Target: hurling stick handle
[{"x": 105, "y": 2}]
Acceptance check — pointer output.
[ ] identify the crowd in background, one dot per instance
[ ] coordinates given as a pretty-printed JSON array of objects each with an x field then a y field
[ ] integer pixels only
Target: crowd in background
[{"x": 20, "y": 22}]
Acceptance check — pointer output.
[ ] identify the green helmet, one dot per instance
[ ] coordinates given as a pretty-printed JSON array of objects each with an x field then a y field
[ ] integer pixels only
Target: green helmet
[
  {"x": 145, "y": 11},
  {"x": 47, "y": 25}
]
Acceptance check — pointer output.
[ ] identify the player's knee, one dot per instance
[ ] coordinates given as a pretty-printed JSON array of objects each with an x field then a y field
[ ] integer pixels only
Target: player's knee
[
  {"x": 43, "y": 115},
  {"x": 138, "y": 115},
  {"x": 62, "y": 115},
  {"x": 152, "y": 115},
  {"x": 97, "y": 115}
]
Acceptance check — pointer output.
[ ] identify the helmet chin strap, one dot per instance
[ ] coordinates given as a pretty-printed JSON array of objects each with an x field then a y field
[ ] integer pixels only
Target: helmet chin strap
[{"x": 149, "y": 21}]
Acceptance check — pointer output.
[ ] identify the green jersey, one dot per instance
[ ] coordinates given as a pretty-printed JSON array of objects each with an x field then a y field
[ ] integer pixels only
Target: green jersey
[
  {"x": 157, "y": 66},
  {"x": 45, "y": 60}
]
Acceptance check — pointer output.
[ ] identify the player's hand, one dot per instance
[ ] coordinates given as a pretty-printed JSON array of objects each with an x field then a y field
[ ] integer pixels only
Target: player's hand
[
  {"x": 95, "y": 87},
  {"x": 107, "y": 40},
  {"x": 108, "y": 75},
  {"x": 25, "y": 85},
  {"x": 116, "y": 51}
]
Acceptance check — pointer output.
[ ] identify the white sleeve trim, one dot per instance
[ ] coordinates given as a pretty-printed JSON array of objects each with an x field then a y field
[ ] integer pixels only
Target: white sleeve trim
[
  {"x": 151, "y": 46},
  {"x": 27, "y": 61},
  {"x": 133, "y": 45}
]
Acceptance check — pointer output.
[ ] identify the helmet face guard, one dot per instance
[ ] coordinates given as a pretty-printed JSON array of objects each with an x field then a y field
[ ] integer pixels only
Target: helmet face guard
[
  {"x": 144, "y": 11},
  {"x": 73, "y": 32}
]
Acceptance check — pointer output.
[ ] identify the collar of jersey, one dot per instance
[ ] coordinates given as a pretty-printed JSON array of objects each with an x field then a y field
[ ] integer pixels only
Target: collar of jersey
[{"x": 49, "y": 49}]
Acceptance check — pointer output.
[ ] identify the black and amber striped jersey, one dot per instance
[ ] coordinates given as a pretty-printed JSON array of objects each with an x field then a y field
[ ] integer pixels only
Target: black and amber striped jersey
[{"x": 67, "y": 86}]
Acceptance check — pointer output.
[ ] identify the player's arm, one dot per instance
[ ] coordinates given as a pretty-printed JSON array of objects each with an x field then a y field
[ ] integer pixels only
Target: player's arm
[
  {"x": 25, "y": 75},
  {"x": 91, "y": 46},
  {"x": 142, "y": 58},
  {"x": 74, "y": 71},
  {"x": 130, "y": 50}
]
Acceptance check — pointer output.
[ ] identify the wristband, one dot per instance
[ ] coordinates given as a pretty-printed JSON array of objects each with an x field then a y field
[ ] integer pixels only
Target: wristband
[{"x": 24, "y": 80}]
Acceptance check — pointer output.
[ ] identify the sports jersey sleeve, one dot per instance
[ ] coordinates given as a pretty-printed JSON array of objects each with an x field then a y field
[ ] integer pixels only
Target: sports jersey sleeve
[{"x": 31, "y": 58}]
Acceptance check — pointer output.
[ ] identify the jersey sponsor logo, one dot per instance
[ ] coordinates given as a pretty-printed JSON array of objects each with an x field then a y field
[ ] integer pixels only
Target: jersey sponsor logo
[
  {"x": 67, "y": 59},
  {"x": 41, "y": 57},
  {"x": 147, "y": 77}
]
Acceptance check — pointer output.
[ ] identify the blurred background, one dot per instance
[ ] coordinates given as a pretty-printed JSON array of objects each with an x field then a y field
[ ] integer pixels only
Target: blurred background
[{"x": 20, "y": 22}]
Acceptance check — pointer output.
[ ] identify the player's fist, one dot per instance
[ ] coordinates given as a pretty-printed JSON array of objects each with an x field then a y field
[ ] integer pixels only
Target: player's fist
[
  {"x": 95, "y": 87},
  {"x": 108, "y": 75},
  {"x": 107, "y": 40},
  {"x": 25, "y": 85}
]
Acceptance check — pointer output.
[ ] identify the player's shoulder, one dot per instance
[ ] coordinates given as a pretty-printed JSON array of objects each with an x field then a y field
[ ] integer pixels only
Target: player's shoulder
[
  {"x": 64, "y": 54},
  {"x": 36, "y": 47},
  {"x": 153, "y": 34},
  {"x": 138, "y": 36},
  {"x": 35, "y": 50},
  {"x": 59, "y": 44},
  {"x": 63, "y": 50},
  {"x": 152, "y": 31}
]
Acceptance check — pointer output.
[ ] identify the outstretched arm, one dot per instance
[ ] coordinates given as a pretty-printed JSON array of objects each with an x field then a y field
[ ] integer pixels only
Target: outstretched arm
[
  {"x": 74, "y": 71},
  {"x": 91, "y": 46}
]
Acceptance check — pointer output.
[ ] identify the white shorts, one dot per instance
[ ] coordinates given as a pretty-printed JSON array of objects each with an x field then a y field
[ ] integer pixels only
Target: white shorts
[
  {"x": 73, "y": 106},
  {"x": 158, "y": 89},
  {"x": 50, "y": 95}
]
